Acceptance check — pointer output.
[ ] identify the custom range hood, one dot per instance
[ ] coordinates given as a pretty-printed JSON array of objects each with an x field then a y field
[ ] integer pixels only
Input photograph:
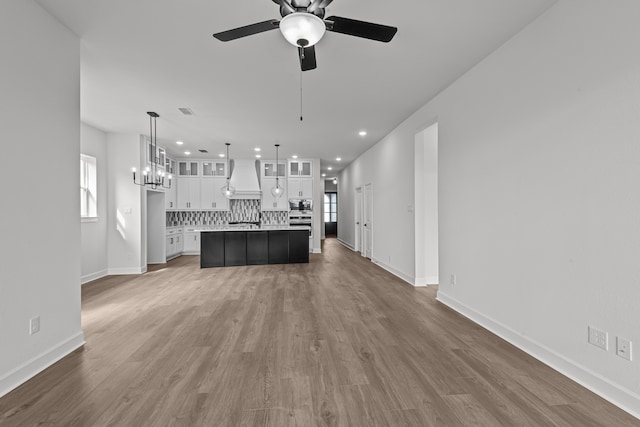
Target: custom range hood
[{"x": 244, "y": 177}]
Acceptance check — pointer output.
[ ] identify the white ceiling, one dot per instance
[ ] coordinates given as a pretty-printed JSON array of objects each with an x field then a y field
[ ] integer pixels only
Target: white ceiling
[{"x": 159, "y": 55}]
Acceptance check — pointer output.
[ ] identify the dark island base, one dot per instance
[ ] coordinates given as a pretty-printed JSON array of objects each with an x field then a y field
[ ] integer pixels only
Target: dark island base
[{"x": 234, "y": 248}]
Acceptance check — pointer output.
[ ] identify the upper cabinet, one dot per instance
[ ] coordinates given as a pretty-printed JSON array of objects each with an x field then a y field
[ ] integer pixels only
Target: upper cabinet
[
  {"x": 214, "y": 168},
  {"x": 300, "y": 168},
  {"x": 188, "y": 168},
  {"x": 157, "y": 156},
  {"x": 268, "y": 168},
  {"x": 170, "y": 166}
]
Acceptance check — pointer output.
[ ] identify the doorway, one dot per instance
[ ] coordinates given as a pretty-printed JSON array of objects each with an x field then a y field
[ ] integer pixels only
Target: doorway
[{"x": 331, "y": 214}]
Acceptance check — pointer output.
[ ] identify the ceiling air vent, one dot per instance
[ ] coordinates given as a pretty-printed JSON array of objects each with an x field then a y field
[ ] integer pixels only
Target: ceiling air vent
[
  {"x": 186, "y": 111},
  {"x": 203, "y": 151}
]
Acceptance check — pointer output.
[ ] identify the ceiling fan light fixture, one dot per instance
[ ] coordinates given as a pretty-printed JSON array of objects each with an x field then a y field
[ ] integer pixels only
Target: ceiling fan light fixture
[{"x": 302, "y": 29}]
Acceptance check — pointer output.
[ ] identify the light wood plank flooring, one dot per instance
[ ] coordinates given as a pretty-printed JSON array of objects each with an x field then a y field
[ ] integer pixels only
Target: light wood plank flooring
[{"x": 336, "y": 342}]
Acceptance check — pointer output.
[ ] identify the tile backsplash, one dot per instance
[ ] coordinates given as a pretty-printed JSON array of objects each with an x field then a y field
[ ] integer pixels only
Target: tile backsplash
[{"x": 240, "y": 211}]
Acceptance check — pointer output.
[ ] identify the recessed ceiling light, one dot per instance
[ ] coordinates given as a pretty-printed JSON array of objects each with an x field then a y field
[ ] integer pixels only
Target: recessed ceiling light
[
  {"x": 179, "y": 142},
  {"x": 329, "y": 168},
  {"x": 338, "y": 159},
  {"x": 294, "y": 157},
  {"x": 362, "y": 133},
  {"x": 256, "y": 149},
  {"x": 221, "y": 155},
  {"x": 258, "y": 156},
  {"x": 187, "y": 153},
  {"x": 324, "y": 174}
]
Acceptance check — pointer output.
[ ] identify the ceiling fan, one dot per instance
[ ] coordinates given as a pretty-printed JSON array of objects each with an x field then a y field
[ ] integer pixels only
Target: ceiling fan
[{"x": 303, "y": 25}]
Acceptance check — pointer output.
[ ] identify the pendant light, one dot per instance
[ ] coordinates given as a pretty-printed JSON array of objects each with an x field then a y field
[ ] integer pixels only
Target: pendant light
[
  {"x": 152, "y": 176},
  {"x": 277, "y": 191},
  {"x": 228, "y": 190}
]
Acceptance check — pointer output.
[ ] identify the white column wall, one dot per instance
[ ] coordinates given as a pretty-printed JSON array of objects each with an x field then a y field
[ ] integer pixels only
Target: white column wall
[
  {"x": 93, "y": 142},
  {"x": 126, "y": 216},
  {"x": 40, "y": 215},
  {"x": 538, "y": 191}
]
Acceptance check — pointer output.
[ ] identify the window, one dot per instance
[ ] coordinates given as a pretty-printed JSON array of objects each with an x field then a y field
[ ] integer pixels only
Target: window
[
  {"x": 330, "y": 207},
  {"x": 88, "y": 187}
]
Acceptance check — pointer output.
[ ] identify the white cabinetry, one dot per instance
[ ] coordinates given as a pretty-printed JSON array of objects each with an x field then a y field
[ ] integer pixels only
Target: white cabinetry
[
  {"x": 170, "y": 196},
  {"x": 301, "y": 168},
  {"x": 174, "y": 243},
  {"x": 268, "y": 169},
  {"x": 214, "y": 168},
  {"x": 191, "y": 242},
  {"x": 188, "y": 193},
  {"x": 211, "y": 197},
  {"x": 300, "y": 188},
  {"x": 170, "y": 166},
  {"x": 188, "y": 168}
]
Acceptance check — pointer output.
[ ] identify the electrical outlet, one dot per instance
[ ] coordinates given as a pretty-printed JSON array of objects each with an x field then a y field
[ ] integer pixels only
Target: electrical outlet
[
  {"x": 623, "y": 348},
  {"x": 598, "y": 338},
  {"x": 34, "y": 325},
  {"x": 452, "y": 279}
]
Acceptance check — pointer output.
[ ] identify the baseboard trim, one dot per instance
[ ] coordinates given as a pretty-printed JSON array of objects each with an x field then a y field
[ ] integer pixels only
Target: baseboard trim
[
  {"x": 426, "y": 281},
  {"x": 93, "y": 276},
  {"x": 127, "y": 270},
  {"x": 33, "y": 367},
  {"x": 346, "y": 245},
  {"x": 399, "y": 274},
  {"x": 620, "y": 396}
]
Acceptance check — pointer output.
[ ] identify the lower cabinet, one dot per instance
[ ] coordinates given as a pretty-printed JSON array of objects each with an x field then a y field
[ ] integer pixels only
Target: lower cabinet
[
  {"x": 279, "y": 247},
  {"x": 298, "y": 246},
  {"x": 174, "y": 244},
  {"x": 212, "y": 250},
  {"x": 233, "y": 248},
  {"x": 191, "y": 242},
  {"x": 257, "y": 248}
]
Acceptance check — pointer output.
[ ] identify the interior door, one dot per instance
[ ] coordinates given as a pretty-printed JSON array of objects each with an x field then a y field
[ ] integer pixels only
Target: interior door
[{"x": 367, "y": 215}]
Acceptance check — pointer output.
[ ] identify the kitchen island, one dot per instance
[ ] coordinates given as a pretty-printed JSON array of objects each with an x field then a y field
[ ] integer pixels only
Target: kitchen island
[{"x": 253, "y": 246}]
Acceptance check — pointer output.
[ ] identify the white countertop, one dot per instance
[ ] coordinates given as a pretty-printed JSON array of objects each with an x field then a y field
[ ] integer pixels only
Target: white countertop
[{"x": 201, "y": 228}]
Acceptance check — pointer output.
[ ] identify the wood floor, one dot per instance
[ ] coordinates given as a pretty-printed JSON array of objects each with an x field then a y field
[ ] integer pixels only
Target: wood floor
[{"x": 337, "y": 342}]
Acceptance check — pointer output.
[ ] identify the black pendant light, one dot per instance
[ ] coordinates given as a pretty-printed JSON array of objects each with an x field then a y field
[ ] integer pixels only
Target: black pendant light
[
  {"x": 228, "y": 190},
  {"x": 277, "y": 191},
  {"x": 151, "y": 175}
]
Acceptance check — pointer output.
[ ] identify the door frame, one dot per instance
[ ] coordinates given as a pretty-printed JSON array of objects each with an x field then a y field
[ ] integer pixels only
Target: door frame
[{"x": 368, "y": 214}]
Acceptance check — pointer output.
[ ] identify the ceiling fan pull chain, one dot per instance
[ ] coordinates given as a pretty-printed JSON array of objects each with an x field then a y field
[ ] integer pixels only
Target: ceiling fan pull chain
[{"x": 301, "y": 96}]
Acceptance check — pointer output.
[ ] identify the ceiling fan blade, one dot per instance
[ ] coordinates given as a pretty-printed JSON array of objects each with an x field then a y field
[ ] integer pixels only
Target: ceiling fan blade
[
  {"x": 307, "y": 58},
  {"x": 318, "y": 4},
  {"x": 247, "y": 30},
  {"x": 367, "y": 30}
]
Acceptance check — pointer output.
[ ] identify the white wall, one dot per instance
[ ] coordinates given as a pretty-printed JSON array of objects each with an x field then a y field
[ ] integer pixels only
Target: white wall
[
  {"x": 40, "y": 215},
  {"x": 93, "y": 142},
  {"x": 538, "y": 190},
  {"x": 126, "y": 235},
  {"x": 426, "y": 206}
]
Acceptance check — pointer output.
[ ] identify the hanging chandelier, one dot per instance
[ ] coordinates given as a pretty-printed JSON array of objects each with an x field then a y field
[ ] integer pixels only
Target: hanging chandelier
[
  {"x": 228, "y": 190},
  {"x": 277, "y": 191},
  {"x": 152, "y": 175}
]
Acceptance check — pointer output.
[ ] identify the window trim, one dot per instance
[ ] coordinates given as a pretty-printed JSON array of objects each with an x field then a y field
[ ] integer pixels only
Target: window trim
[{"x": 88, "y": 188}]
